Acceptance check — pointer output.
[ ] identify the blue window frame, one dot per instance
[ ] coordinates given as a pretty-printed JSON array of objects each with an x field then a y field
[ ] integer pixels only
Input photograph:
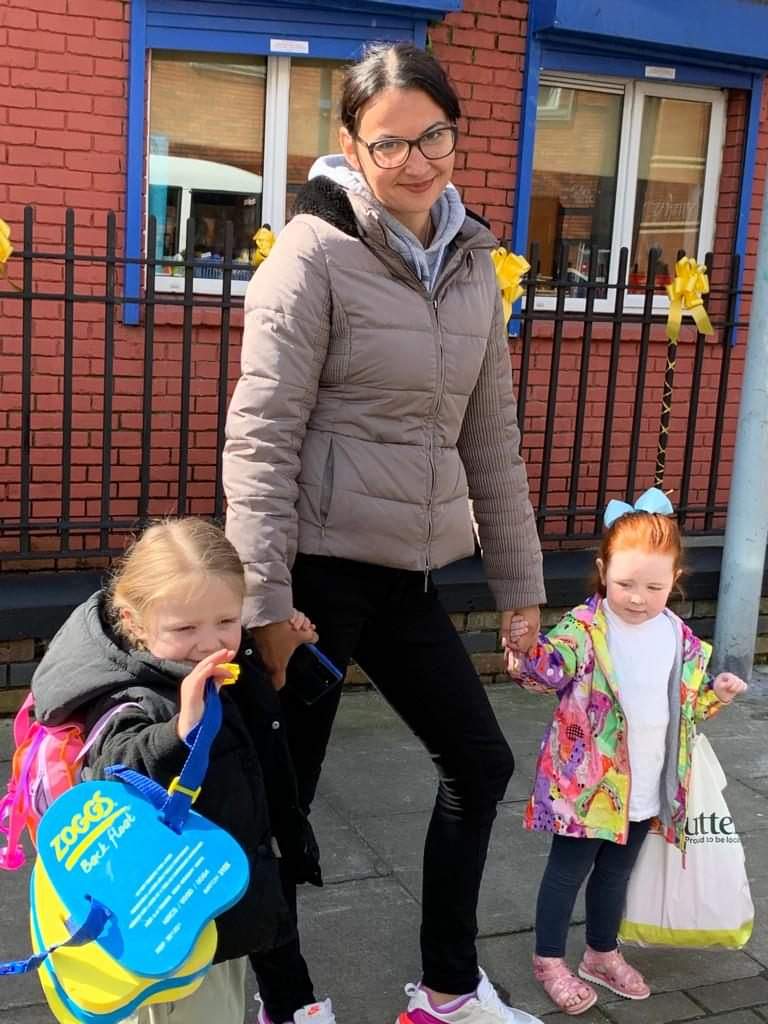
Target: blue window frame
[
  {"x": 280, "y": 31},
  {"x": 644, "y": 42}
]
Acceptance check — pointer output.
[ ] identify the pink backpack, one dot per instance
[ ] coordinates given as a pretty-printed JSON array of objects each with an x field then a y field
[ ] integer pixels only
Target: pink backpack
[{"x": 47, "y": 761}]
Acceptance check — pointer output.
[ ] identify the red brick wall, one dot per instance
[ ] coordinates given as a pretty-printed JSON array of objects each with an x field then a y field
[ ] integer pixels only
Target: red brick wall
[
  {"x": 63, "y": 117},
  {"x": 63, "y": 85},
  {"x": 483, "y": 48}
]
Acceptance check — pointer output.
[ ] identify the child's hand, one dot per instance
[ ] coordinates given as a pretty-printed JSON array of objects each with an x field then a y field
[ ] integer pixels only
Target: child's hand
[
  {"x": 520, "y": 629},
  {"x": 517, "y": 629},
  {"x": 193, "y": 689},
  {"x": 277, "y": 642},
  {"x": 301, "y": 624},
  {"x": 727, "y": 686},
  {"x": 513, "y": 662}
]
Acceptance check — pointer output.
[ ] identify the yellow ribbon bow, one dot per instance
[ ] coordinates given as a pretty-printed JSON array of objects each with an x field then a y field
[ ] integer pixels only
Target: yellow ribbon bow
[
  {"x": 685, "y": 296},
  {"x": 5, "y": 244},
  {"x": 264, "y": 239},
  {"x": 509, "y": 269},
  {"x": 5, "y": 252}
]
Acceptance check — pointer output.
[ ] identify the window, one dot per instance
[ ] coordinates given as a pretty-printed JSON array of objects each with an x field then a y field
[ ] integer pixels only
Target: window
[
  {"x": 620, "y": 163},
  {"x": 313, "y": 124},
  {"x": 231, "y": 139}
]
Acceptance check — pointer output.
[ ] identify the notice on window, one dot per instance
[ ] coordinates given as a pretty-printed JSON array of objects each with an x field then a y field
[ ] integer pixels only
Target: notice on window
[
  {"x": 654, "y": 71},
  {"x": 289, "y": 46}
]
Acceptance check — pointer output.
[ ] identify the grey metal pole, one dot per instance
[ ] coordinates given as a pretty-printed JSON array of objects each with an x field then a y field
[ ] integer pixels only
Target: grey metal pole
[{"x": 746, "y": 531}]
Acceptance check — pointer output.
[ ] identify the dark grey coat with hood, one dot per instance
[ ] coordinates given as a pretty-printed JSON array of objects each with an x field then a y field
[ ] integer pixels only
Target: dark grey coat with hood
[{"x": 249, "y": 789}]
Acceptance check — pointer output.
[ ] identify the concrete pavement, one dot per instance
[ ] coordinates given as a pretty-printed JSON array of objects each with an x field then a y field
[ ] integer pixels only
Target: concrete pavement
[{"x": 361, "y": 931}]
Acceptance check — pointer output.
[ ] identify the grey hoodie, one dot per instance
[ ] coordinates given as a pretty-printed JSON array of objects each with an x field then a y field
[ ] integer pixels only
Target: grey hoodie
[
  {"x": 85, "y": 663},
  {"x": 448, "y": 215}
]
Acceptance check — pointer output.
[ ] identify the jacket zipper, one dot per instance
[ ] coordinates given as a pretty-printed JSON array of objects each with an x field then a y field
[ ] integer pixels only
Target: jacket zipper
[
  {"x": 434, "y": 301},
  {"x": 431, "y": 441}
]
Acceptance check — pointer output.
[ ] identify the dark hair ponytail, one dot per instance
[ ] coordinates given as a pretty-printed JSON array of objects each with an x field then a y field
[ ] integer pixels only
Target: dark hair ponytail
[{"x": 395, "y": 66}]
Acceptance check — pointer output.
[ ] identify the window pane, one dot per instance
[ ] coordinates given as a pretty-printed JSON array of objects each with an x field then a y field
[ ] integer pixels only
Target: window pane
[
  {"x": 574, "y": 180},
  {"x": 206, "y": 152},
  {"x": 313, "y": 124},
  {"x": 670, "y": 183}
]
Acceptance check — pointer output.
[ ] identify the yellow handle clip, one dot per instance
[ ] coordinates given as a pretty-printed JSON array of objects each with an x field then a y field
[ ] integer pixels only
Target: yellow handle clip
[
  {"x": 176, "y": 786},
  {"x": 234, "y": 673}
]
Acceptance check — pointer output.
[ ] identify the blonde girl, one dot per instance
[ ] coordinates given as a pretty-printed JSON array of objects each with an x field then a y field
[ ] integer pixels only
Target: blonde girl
[
  {"x": 168, "y": 621},
  {"x": 632, "y": 684}
]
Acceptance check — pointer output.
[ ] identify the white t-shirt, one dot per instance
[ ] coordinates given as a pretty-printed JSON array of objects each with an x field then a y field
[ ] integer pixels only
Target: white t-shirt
[{"x": 642, "y": 657}]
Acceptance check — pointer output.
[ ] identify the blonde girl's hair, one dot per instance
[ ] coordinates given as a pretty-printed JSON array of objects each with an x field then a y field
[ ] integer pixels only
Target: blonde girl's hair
[
  {"x": 172, "y": 555},
  {"x": 648, "y": 531}
]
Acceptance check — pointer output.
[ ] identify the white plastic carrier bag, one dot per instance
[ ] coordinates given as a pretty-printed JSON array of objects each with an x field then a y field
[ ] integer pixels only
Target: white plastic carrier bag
[{"x": 700, "y": 900}]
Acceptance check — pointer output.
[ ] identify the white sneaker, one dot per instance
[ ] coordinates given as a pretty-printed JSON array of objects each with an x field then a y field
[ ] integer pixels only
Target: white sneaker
[
  {"x": 482, "y": 1007},
  {"x": 313, "y": 1013}
]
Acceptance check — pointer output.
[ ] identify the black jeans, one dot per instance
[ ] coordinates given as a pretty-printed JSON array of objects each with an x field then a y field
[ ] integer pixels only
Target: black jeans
[
  {"x": 403, "y": 639},
  {"x": 570, "y": 861},
  {"x": 284, "y": 982}
]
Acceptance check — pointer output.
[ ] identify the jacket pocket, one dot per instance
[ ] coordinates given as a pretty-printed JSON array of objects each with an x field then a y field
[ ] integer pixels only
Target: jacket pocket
[{"x": 326, "y": 489}]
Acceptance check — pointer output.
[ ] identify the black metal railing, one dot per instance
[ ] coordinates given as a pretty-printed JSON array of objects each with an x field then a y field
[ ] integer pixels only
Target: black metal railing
[{"x": 107, "y": 424}]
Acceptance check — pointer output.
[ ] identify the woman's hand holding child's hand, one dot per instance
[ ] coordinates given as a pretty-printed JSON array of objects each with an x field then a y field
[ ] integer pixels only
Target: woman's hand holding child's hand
[
  {"x": 277, "y": 642},
  {"x": 193, "y": 688},
  {"x": 520, "y": 628},
  {"x": 727, "y": 686},
  {"x": 519, "y": 632}
]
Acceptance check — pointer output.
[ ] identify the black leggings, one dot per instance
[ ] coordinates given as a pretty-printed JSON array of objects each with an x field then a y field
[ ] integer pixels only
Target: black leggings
[
  {"x": 402, "y": 637},
  {"x": 282, "y": 975},
  {"x": 570, "y": 861}
]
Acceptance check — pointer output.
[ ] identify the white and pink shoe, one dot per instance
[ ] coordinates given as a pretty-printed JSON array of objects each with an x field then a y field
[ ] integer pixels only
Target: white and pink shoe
[
  {"x": 313, "y": 1013},
  {"x": 483, "y": 1006}
]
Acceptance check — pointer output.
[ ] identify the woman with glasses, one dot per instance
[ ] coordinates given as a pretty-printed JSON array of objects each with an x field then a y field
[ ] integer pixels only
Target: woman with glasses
[{"x": 375, "y": 401}]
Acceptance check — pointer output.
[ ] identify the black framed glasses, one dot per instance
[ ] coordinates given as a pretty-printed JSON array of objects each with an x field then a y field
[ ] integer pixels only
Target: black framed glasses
[{"x": 434, "y": 144}]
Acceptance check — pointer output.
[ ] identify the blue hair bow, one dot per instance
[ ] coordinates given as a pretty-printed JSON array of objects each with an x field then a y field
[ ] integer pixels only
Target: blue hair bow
[{"x": 653, "y": 500}]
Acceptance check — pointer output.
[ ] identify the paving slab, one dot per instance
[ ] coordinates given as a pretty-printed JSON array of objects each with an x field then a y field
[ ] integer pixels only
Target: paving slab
[
  {"x": 346, "y": 856},
  {"x": 37, "y": 1013},
  {"x": 757, "y": 947},
  {"x": 361, "y": 940},
  {"x": 732, "y": 995},
  {"x": 746, "y": 756},
  {"x": 15, "y": 941},
  {"x": 748, "y": 806},
  {"x": 665, "y": 1008},
  {"x": 516, "y": 860},
  {"x": 756, "y": 855},
  {"x": 759, "y": 785},
  {"x": 686, "y": 969},
  {"x": 592, "y": 1016},
  {"x": 736, "y": 1017}
]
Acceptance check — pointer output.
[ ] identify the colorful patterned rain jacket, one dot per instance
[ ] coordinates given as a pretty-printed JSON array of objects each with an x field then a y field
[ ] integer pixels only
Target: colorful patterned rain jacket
[{"x": 582, "y": 777}]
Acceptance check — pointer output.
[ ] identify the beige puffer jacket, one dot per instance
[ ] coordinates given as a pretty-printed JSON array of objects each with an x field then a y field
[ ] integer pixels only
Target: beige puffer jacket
[{"x": 368, "y": 411}]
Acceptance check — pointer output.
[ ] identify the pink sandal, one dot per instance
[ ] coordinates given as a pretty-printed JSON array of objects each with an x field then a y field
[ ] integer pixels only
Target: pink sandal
[
  {"x": 569, "y": 995},
  {"x": 613, "y": 972}
]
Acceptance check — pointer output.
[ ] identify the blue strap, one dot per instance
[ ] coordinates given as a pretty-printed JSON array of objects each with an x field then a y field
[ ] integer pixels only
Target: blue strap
[
  {"x": 90, "y": 929},
  {"x": 153, "y": 791},
  {"x": 177, "y": 800}
]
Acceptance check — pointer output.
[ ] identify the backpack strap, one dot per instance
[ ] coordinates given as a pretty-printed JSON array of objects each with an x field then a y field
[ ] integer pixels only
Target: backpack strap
[
  {"x": 176, "y": 801},
  {"x": 24, "y": 720},
  {"x": 14, "y": 808},
  {"x": 90, "y": 929},
  {"x": 101, "y": 723}
]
